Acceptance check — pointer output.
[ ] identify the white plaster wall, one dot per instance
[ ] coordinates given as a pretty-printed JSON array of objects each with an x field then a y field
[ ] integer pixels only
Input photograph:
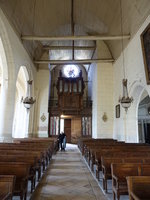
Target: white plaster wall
[
  {"x": 18, "y": 57},
  {"x": 105, "y": 100},
  {"x": 93, "y": 89},
  {"x": 102, "y": 97},
  {"x": 125, "y": 128},
  {"x": 42, "y": 87}
]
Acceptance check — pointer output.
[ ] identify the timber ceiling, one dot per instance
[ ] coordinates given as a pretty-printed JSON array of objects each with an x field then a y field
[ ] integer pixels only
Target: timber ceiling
[{"x": 90, "y": 17}]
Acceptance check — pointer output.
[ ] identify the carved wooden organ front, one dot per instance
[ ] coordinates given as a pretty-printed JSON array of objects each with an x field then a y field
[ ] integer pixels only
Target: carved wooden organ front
[{"x": 70, "y": 94}]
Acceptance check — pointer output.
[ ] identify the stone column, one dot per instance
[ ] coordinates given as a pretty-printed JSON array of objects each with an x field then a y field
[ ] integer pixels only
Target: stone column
[
  {"x": 7, "y": 108},
  {"x": 49, "y": 94}
]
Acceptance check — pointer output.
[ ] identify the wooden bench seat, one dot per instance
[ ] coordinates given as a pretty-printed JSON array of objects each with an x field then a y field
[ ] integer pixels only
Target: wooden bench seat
[
  {"x": 41, "y": 160},
  {"x": 7, "y": 183},
  {"x": 96, "y": 142},
  {"x": 93, "y": 154},
  {"x": 35, "y": 153},
  {"x": 138, "y": 187},
  {"x": 119, "y": 173},
  {"x": 115, "y": 154},
  {"x": 43, "y": 150},
  {"x": 21, "y": 171},
  {"x": 51, "y": 141},
  {"x": 106, "y": 166},
  {"x": 106, "y": 169},
  {"x": 31, "y": 160}
]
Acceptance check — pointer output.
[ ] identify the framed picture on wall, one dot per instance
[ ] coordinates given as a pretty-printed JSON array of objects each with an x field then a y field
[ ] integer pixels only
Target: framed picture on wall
[
  {"x": 118, "y": 111},
  {"x": 145, "y": 41}
]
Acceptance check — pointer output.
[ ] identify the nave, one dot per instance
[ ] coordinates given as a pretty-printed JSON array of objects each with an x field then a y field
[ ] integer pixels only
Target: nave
[{"x": 68, "y": 178}]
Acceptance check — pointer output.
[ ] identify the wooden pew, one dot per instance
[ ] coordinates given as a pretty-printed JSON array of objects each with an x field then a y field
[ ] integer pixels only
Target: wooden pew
[
  {"x": 26, "y": 153},
  {"x": 117, "y": 154},
  {"x": 107, "y": 161},
  {"x": 52, "y": 141},
  {"x": 94, "y": 142},
  {"x": 7, "y": 183},
  {"x": 26, "y": 147},
  {"x": 119, "y": 174},
  {"x": 32, "y": 152},
  {"x": 138, "y": 187},
  {"x": 121, "y": 171},
  {"x": 29, "y": 159},
  {"x": 106, "y": 169},
  {"x": 21, "y": 171}
]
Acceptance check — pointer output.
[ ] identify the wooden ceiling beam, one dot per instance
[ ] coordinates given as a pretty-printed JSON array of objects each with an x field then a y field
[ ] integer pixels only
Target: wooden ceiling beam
[
  {"x": 68, "y": 47},
  {"x": 66, "y": 38},
  {"x": 68, "y": 62}
]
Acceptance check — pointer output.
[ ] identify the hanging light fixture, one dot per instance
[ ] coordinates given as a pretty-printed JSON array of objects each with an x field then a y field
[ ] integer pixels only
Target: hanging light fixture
[
  {"x": 29, "y": 100},
  {"x": 125, "y": 100}
]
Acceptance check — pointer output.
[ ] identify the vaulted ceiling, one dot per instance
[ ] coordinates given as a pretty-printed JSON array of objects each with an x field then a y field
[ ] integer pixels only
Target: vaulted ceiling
[{"x": 86, "y": 17}]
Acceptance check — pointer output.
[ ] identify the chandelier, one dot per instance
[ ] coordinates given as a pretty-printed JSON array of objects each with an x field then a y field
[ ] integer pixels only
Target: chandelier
[
  {"x": 125, "y": 100},
  {"x": 29, "y": 100}
]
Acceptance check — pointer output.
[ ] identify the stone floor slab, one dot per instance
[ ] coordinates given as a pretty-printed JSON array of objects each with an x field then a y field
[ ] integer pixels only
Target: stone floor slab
[{"x": 68, "y": 178}]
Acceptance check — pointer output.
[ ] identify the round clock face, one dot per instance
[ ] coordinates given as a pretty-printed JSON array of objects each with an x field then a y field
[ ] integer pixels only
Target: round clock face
[{"x": 71, "y": 71}]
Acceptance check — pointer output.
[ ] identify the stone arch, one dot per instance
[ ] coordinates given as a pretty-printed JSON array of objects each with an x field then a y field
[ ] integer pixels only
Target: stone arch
[
  {"x": 20, "y": 122},
  {"x": 6, "y": 51},
  {"x": 3, "y": 64},
  {"x": 131, "y": 117},
  {"x": 8, "y": 80}
]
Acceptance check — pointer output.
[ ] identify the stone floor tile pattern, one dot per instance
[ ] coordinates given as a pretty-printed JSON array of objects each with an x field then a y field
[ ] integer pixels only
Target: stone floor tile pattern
[{"x": 68, "y": 178}]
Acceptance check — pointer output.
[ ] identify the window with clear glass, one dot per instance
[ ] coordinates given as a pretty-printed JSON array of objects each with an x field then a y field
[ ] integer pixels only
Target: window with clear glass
[
  {"x": 86, "y": 126},
  {"x": 54, "y": 125},
  {"x": 74, "y": 87},
  {"x": 66, "y": 87}
]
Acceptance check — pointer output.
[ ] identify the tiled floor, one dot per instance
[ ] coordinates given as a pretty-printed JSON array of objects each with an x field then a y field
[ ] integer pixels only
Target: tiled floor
[{"x": 68, "y": 178}]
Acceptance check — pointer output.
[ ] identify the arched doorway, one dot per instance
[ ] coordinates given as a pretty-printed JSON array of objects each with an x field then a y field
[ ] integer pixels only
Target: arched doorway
[
  {"x": 144, "y": 118},
  {"x": 20, "y": 123},
  {"x": 131, "y": 117}
]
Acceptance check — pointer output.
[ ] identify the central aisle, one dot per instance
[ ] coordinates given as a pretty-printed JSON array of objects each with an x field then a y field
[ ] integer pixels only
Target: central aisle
[{"x": 68, "y": 178}]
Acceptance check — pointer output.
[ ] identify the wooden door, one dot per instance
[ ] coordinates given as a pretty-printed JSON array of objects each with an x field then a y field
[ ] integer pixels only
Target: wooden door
[{"x": 67, "y": 129}]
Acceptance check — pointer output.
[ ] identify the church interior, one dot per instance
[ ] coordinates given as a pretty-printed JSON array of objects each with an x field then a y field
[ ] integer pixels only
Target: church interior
[{"x": 79, "y": 67}]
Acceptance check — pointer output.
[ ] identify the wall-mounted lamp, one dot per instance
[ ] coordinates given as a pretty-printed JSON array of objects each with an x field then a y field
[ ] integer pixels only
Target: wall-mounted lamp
[{"x": 104, "y": 117}]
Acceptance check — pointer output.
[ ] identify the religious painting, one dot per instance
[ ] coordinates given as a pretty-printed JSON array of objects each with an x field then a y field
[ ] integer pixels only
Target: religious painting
[
  {"x": 118, "y": 111},
  {"x": 145, "y": 40}
]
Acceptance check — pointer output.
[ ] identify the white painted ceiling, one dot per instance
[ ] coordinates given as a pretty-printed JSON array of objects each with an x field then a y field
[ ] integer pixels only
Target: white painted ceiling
[{"x": 91, "y": 17}]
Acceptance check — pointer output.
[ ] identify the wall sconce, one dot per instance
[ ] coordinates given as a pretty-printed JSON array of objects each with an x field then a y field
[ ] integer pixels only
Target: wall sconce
[
  {"x": 43, "y": 117},
  {"x": 104, "y": 117}
]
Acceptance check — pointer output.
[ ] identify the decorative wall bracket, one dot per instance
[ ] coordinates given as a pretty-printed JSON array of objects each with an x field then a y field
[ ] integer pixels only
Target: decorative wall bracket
[
  {"x": 43, "y": 117},
  {"x": 104, "y": 117}
]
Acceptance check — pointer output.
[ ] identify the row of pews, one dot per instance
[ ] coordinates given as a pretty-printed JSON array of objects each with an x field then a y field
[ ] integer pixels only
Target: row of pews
[
  {"x": 21, "y": 161},
  {"x": 126, "y": 164}
]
